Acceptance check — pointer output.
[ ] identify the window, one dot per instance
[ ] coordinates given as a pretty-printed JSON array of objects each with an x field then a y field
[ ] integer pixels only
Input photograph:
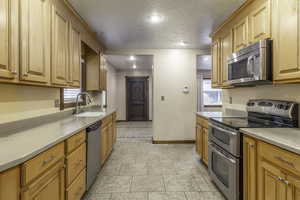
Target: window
[
  {"x": 70, "y": 95},
  {"x": 211, "y": 97}
]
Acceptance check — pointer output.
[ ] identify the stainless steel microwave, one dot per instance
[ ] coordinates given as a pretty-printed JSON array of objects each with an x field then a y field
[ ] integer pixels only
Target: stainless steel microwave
[{"x": 251, "y": 65}]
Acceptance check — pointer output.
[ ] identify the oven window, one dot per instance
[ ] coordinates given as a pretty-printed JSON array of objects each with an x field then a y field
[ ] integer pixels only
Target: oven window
[
  {"x": 221, "y": 136},
  {"x": 238, "y": 70},
  {"x": 220, "y": 168}
]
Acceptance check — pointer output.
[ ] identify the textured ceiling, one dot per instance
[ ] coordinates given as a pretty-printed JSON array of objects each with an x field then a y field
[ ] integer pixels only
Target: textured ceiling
[
  {"x": 204, "y": 62},
  {"x": 122, "y": 62},
  {"x": 123, "y": 23}
]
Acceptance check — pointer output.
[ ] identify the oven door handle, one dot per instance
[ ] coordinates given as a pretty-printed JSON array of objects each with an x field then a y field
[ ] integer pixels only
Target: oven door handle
[
  {"x": 222, "y": 155},
  {"x": 223, "y": 130}
]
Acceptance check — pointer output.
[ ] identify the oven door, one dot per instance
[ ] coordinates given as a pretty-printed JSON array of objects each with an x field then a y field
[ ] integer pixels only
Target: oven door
[
  {"x": 228, "y": 139},
  {"x": 224, "y": 170}
]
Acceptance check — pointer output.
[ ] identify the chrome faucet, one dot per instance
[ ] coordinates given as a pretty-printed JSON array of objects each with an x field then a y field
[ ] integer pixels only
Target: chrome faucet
[{"x": 77, "y": 101}]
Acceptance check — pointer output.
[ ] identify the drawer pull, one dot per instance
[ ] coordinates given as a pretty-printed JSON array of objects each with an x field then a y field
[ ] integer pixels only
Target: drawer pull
[
  {"x": 45, "y": 162},
  {"x": 286, "y": 182},
  {"x": 280, "y": 179},
  {"x": 285, "y": 161}
]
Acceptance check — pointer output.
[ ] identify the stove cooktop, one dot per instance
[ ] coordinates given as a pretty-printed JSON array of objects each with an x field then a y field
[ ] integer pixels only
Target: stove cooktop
[{"x": 244, "y": 122}]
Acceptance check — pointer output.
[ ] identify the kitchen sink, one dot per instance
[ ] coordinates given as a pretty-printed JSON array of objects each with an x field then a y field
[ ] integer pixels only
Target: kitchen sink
[{"x": 90, "y": 114}]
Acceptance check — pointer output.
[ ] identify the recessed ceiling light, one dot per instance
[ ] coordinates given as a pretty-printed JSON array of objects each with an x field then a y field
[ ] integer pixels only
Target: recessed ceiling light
[
  {"x": 155, "y": 18},
  {"x": 182, "y": 43},
  {"x": 132, "y": 58},
  {"x": 134, "y": 66}
]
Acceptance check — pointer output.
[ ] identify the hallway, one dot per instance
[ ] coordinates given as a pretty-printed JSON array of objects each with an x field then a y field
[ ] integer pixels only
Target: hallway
[{"x": 139, "y": 170}]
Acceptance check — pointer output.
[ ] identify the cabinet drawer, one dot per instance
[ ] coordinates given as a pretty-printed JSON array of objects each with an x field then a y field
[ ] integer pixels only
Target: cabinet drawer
[
  {"x": 284, "y": 159},
  {"x": 39, "y": 164},
  {"x": 76, "y": 162},
  {"x": 77, "y": 189},
  {"x": 75, "y": 141}
]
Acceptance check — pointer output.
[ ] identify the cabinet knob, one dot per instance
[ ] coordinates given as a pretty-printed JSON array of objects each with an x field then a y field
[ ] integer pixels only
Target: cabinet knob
[{"x": 252, "y": 145}]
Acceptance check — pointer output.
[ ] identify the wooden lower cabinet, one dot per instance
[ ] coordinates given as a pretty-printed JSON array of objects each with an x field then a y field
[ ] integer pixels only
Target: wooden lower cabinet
[
  {"x": 249, "y": 168},
  {"x": 270, "y": 173},
  {"x": 202, "y": 138},
  {"x": 10, "y": 184},
  {"x": 108, "y": 137},
  {"x": 77, "y": 188},
  {"x": 50, "y": 186},
  {"x": 205, "y": 146}
]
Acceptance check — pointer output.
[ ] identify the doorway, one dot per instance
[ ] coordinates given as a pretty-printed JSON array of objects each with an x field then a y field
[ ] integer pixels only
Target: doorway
[{"x": 137, "y": 98}]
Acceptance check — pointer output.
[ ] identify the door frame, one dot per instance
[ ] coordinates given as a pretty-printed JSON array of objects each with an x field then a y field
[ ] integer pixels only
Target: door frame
[{"x": 147, "y": 95}]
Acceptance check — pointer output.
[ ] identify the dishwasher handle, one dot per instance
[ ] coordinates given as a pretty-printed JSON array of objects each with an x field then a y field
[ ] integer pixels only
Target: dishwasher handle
[{"x": 93, "y": 127}]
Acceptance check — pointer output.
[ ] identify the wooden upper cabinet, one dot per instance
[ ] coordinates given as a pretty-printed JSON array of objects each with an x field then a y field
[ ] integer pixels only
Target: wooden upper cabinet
[
  {"x": 286, "y": 24},
  {"x": 35, "y": 40},
  {"x": 9, "y": 37},
  {"x": 60, "y": 36},
  {"x": 240, "y": 33},
  {"x": 215, "y": 63},
  {"x": 249, "y": 168},
  {"x": 260, "y": 23},
  {"x": 226, "y": 50},
  {"x": 75, "y": 57}
]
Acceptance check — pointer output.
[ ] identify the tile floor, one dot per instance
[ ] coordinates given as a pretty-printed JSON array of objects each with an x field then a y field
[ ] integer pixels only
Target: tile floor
[{"x": 139, "y": 170}]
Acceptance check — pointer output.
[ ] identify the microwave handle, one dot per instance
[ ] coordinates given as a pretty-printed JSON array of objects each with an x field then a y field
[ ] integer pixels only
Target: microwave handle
[{"x": 250, "y": 65}]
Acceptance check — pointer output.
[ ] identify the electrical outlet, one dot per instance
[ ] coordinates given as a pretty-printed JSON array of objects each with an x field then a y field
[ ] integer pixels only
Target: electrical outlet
[
  {"x": 162, "y": 98},
  {"x": 56, "y": 103}
]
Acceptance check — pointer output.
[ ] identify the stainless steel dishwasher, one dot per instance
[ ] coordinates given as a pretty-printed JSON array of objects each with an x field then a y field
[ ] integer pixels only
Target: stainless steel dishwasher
[{"x": 93, "y": 153}]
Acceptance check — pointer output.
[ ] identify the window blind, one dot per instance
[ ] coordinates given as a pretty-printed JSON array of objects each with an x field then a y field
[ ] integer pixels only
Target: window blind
[{"x": 70, "y": 95}]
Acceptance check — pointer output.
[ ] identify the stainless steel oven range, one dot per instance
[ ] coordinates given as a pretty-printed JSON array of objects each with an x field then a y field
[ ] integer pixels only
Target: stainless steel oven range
[{"x": 225, "y": 145}]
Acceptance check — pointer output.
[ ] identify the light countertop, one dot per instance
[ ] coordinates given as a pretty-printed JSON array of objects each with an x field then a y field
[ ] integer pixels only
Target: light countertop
[
  {"x": 286, "y": 138},
  {"x": 227, "y": 113},
  {"x": 20, "y": 146}
]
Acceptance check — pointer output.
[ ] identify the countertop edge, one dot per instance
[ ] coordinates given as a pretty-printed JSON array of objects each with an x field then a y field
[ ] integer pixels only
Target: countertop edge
[
  {"x": 31, "y": 155},
  {"x": 270, "y": 141}
]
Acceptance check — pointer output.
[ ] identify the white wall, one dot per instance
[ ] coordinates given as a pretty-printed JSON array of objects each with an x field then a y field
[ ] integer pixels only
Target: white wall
[
  {"x": 121, "y": 91},
  {"x": 111, "y": 87},
  {"x": 174, "y": 118}
]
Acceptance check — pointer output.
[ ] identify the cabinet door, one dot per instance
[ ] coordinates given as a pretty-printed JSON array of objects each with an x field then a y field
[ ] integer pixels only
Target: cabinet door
[
  {"x": 199, "y": 140},
  {"x": 215, "y": 64},
  {"x": 9, "y": 39},
  {"x": 260, "y": 23},
  {"x": 10, "y": 184},
  {"x": 226, "y": 50},
  {"x": 240, "y": 33},
  {"x": 51, "y": 186},
  {"x": 110, "y": 137},
  {"x": 205, "y": 145},
  {"x": 35, "y": 40},
  {"x": 293, "y": 187},
  {"x": 286, "y": 40},
  {"x": 270, "y": 182},
  {"x": 60, "y": 38},
  {"x": 74, "y": 73},
  {"x": 104, "y": 145},
  {"x": 249, "y": 169}
]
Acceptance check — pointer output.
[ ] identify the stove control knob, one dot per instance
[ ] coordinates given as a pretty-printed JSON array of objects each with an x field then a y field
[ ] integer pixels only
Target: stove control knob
[{"x": 280, "y": 106}]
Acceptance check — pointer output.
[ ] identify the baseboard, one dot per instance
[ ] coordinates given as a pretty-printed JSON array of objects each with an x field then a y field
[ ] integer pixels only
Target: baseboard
[
  {"x": 122, "y": 121},
  {"x": 173, "y": 141},
  {"x": 133, "y": 121}
]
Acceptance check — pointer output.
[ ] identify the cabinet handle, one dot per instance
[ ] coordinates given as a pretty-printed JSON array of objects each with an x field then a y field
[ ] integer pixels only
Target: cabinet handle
[
  {"x": 286, "y": 182},
  {"x": 285, "y": 161},
  {"x": 280, "y": 179},
  {"x": 45, "y": 162}
]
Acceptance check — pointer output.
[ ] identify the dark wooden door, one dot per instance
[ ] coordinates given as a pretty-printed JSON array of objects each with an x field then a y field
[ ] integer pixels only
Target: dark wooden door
[{"x": 137, "y": 98}]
